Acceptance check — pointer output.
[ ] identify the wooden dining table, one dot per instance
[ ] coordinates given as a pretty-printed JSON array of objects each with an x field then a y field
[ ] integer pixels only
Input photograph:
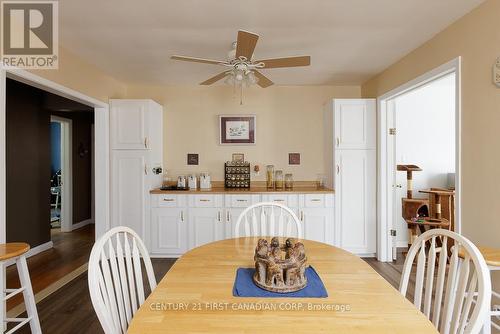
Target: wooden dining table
[{"x": 196, "y": 296}]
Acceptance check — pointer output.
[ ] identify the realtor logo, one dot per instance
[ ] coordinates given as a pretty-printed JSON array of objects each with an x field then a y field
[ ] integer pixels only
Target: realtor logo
[{"x": 29, "y": 33}]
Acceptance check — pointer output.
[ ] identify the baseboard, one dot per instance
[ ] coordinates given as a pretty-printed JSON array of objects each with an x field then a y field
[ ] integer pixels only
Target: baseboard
[
  {"x": 81, "y": 224},
  {"x": 401, "y": 243},
  {"x": 34, "y": 251}
]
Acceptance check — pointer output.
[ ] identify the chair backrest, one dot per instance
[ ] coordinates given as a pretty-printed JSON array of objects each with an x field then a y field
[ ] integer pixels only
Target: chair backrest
[
  {"x": 268, "y": 219},
  {"x": 457, "y": 292},
  {"x": 116, "y": 278}
]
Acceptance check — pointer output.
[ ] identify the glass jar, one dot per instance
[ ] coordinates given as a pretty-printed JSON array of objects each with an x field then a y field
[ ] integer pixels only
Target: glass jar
[
  {"x": 270, "y": 177},
  {"x": 288, "y": 181},
  {"x": 278, "y": 179},
  {"x": 320, "y": 181}
]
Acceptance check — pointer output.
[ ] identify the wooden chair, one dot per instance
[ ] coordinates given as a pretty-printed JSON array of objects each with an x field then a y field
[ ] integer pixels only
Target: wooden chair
[
  {"x": 268, "y": 219},
  {"x": 115, "y": 278},
  {"x": 457, "y": 300},
  {"x": 16, "y": 251}
]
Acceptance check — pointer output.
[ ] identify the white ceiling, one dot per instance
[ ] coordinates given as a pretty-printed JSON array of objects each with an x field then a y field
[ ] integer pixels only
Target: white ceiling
[{"x": 348, "y": 40}]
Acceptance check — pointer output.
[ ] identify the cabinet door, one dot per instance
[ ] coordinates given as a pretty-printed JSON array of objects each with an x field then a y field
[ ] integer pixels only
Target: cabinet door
[
  {"x": 355, "y": 124},
  {"x": 129, "y": 124},
  {"x": 128, "y": 190},
  {"x": 168, "y": 231},
  {"x": 318, "y": 224},
  {"x": 205, "y": 225},
  {"x": 355, "y": 204}
]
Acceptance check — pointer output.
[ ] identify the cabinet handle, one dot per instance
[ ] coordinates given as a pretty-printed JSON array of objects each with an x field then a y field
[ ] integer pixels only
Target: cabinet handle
[
  {"x": 338, "y": 169},
  {"x": 145, "y": 142},
  {"x": 145, "y": 170},
  {"x": 279, "y": 200},
  {"x": 301, "y": 215},
  {"x": 204, "y": 200},
  {"x": 338, "y": 141},
  {"x": 182, "y": 216},
  {"x": 228, "y": 216},
  {"x": 168, "y": 199},
  {"x": 241, "y": 200},
  {"x": 218, "y": 216}
]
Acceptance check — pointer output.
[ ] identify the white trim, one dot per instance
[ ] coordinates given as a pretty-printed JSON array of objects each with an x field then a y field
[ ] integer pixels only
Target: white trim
[
  {"x": 33, "y": 251},
  {"x": 81, "y": 224},
  {"x": 101, "y": 120},
  {"x": 384, "y": 174},
  {"x": 67, "y": 171}
]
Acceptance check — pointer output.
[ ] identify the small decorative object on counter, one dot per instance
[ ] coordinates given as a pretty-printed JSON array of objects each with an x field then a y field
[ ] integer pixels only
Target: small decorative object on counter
[
  {"x": 280, "y": 268},
  {"x": 278, "y": 179},
  {"x": 288, "y": 181},
  {"x": 256, "y": 169},
  {"x": 181, "y": 181},
  {"x": 205, "y": 181},
  {"x": 320, "y": 181},
  {"x": 270, "y": 177},
  {"x": 192, "y": 181},
  {"x": 237, "y": 174}
]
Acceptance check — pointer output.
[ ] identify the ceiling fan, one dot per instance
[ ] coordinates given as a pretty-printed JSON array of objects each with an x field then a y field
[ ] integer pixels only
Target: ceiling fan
[{"x": 241, "y": 69}]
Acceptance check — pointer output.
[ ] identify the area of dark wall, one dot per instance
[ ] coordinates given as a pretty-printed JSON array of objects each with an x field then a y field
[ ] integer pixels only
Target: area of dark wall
[
  {"x": 27, "y": 165},
  {"x": 29, "y": 161}
]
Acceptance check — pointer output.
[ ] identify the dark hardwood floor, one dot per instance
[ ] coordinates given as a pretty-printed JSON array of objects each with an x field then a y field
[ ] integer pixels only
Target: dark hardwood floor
[
  {"x": 69, "y": 310},
  {"x": 70, "y": 251}
]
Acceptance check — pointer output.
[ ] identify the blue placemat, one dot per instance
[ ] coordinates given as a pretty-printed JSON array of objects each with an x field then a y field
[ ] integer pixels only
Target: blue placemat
[{"x": 245, "y": 287}]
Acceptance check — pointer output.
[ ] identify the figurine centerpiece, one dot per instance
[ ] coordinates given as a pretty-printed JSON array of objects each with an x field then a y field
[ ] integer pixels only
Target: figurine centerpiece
[{"x": 280, "y": 268}]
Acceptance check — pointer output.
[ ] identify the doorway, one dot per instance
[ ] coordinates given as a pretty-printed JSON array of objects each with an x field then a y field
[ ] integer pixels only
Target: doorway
[
  {"x": 418, "y": 123},
  {"x": 61, "y": 187}
]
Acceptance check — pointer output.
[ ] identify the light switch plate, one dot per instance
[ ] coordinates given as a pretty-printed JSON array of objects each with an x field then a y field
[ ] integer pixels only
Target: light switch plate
[{"x": 496, "y": 72}]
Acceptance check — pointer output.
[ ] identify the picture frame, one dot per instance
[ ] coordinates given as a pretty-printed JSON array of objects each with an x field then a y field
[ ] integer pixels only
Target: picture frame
[
  {"x": 294, "y": 158},
  {"x": 238, "y": 157},
  {"x": 192, "y": 159},
  {"x": 237, "y": 129}
]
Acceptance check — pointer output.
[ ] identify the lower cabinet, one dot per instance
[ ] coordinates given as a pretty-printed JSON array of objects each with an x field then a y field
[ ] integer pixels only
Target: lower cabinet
[
  {"x": 317, "y": 224},
  {"x": 182, "y": 222},
  {"x": 168, "y": 234},
  {"x": 205, "y": 225}
]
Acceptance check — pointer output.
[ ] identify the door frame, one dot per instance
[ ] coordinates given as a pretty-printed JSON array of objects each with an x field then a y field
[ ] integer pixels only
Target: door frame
[
  {"x": 101, "y": 153},
  {"x": 386, "y": 163},
  {"x": 66, "y": 217}
]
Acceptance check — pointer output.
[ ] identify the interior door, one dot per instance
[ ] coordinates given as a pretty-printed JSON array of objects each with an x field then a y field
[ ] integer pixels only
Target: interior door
[
  {"x": 355, "y": 207},
  {"x": 129, "y": 125}
]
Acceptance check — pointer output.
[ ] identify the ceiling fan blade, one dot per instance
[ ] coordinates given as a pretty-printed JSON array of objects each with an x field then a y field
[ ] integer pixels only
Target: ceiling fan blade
[
  {"x": 214, "y": 79},
  {"x": 246, "y": 44},
  {"x": 263, "y": 80},
  {"x": 198, "y": 60},
  {"x": 286, "y": 62}
]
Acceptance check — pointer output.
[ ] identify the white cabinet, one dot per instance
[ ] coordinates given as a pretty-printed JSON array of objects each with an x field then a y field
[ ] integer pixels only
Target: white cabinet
[
  {"x": 130, "y": 124},
  {"x": 129, "y": 192},
  {"x": 350, "y": 157},
  {"x": 168, "y": 231},
  {"x": 355, "y": 200},
  {"x": 316, "y": 213},
  {"x": 355, "y": 121},
  {"x": 136, "y": 154},
  {"x": 205, "y": 225}
]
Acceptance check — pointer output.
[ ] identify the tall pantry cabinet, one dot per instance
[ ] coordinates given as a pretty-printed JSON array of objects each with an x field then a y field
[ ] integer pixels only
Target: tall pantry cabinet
[
  {"x": 350, "y": 157},
  {"x": 136, "y": 159}
]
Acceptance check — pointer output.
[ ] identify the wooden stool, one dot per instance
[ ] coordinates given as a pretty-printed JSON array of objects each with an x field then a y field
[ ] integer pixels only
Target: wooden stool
[
  {"x": 17, "y": 252},
  {"x": 492, "y": 258}
]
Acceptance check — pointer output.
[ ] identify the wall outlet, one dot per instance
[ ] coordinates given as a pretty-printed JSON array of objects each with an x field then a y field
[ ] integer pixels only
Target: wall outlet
[{"x": 496, "y": 72}]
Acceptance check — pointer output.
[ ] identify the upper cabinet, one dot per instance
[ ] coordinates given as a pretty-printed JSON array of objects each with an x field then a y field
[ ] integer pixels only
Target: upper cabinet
[
  {"x": 133, "y": 124},
  {"x": 354, "y": 124}
]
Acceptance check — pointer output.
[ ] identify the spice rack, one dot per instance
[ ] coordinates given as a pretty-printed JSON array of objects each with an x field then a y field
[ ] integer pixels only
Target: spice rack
[{"x": 237, "y": 174}]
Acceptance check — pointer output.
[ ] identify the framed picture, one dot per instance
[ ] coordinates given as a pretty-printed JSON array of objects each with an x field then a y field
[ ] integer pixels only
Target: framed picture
[
  {"x": 238, "y": 157},
  {"x": 192, "y": 159},
  {"x": 237, "y": 129},
  {"x": 294, "y": 158}
]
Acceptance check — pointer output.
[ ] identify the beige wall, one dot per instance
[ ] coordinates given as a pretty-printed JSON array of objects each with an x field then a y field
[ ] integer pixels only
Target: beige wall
[
  {"x": 475, "y": 37},
  {"x": 83, "y": 77},
  {"x": 289, "y": 119}
]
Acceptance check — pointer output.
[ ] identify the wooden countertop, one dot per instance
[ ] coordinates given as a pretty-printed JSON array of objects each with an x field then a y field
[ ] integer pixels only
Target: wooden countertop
[{"x": 251, "y": 190}]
